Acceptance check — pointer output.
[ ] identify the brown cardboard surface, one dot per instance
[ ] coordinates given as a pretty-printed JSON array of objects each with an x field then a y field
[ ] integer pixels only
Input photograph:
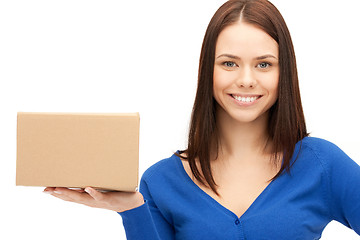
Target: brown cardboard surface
[{"x": 78, "y": 150}]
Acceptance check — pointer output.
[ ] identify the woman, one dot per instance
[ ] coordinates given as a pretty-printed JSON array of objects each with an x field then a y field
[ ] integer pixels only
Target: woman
[{"x": 250, "y": 170}]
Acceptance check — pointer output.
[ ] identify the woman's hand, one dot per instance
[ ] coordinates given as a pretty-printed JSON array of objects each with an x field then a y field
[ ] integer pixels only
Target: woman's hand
[{"x": 116, "y": 201}]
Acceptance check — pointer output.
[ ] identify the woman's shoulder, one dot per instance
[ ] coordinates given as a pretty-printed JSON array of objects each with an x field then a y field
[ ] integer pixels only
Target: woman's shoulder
[
  {"x": 318, "y": 145},
  {"x": 328, "y": 153},
  {"x": 163, "y": 180},
  {"x": 163, "y": 169}
]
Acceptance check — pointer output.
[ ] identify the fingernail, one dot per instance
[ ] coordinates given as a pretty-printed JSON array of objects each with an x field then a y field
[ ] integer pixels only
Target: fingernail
[
  {"x": 57, "y": 192},
  {"x": 87, "y": 190}
]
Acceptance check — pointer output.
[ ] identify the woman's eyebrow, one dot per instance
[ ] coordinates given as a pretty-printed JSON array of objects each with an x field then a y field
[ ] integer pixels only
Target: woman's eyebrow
[
  {"x": 265, "y": 56},
  {"x": 257, "y": 58},
  {"x": 229, "y": 56}
]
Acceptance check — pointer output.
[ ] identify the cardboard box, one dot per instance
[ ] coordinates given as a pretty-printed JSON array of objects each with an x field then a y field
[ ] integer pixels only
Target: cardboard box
[{"x": 78, "y": 150}]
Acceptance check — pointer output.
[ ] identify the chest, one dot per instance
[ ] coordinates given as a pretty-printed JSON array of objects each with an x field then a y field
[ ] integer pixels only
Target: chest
[
  {"x": 238, "y": 188},
  {"x": 238, "y": 193},
  {"x": 250, "y": 206}
]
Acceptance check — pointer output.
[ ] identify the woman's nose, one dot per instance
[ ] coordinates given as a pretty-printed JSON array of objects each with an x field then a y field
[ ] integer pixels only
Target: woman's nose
[{"x": 246, "y": 78}]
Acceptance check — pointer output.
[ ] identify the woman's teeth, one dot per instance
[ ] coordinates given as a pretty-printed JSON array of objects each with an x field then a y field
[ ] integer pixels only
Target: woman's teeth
[{"x": 245, "y": 99}]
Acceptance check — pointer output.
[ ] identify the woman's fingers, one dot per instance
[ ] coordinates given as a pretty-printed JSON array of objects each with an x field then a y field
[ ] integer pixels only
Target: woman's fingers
[
  {"x": 98, "y": 196},
  {"x": 49, "y": 189},
  {"x": 70, "y": 195},
  {"x": 116, "y": 201}
]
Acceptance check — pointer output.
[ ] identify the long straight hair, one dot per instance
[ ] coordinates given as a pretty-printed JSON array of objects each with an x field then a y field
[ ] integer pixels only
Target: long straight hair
[{"x": 286, "y": 124}]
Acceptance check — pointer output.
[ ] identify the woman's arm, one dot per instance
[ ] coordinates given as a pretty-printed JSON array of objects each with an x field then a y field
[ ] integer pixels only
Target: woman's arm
[
  {"x": 147, "y": 221},
  {"x": 344, "y": 187},
  {"x": 142, "y": 220},
  {"x": 136, "y": 215}
]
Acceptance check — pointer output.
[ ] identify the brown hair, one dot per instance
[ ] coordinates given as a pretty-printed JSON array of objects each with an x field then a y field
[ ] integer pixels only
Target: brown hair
[{"x": 286, "y": 119}]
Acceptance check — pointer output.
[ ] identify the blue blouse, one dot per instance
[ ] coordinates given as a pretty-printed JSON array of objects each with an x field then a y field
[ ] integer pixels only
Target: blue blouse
[{"x": 323, "y": 185}]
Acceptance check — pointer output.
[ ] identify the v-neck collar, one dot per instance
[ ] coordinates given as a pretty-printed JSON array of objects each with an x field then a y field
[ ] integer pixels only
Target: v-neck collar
[{"x": 214, "y": 202}]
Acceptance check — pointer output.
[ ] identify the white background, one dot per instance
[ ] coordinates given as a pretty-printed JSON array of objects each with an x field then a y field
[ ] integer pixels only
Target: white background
[{"x": 142, "y": 56}]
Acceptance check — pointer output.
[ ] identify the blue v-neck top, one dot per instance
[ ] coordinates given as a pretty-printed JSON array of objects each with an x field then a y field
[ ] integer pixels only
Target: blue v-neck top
[{"x": 323, "y": 185}]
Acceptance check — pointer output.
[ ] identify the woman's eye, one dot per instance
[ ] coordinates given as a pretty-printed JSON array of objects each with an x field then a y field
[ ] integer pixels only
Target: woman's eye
[
  {"x": 264, "y": 65},
  {"x": 229, "y": 64}
]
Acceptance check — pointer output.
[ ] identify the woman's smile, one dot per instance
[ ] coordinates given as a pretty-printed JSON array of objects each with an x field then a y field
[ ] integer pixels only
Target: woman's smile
[{"x": 245, "y": 100}]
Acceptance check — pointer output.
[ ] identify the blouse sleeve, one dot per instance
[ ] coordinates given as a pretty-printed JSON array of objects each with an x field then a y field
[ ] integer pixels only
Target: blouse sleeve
[
  {"x": 344, "y": 186},
  {"x": 146, "y": 222}
]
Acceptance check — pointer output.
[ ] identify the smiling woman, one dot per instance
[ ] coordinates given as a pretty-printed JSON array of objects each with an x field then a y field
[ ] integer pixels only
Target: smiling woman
[
  {"x": 250, "y": 170},
  {"x": 242, "y": 34}
]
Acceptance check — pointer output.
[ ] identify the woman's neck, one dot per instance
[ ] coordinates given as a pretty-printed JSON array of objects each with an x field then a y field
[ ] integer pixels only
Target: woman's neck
[{"x": 242, "y": 141}]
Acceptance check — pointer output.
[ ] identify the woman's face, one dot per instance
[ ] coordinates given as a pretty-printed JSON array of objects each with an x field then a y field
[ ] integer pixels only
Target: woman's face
[{"x": 246, "y": 72}]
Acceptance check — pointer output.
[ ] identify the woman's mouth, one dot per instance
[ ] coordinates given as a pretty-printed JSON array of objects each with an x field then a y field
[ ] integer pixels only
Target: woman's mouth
[{"x": 246, "y": 99}]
